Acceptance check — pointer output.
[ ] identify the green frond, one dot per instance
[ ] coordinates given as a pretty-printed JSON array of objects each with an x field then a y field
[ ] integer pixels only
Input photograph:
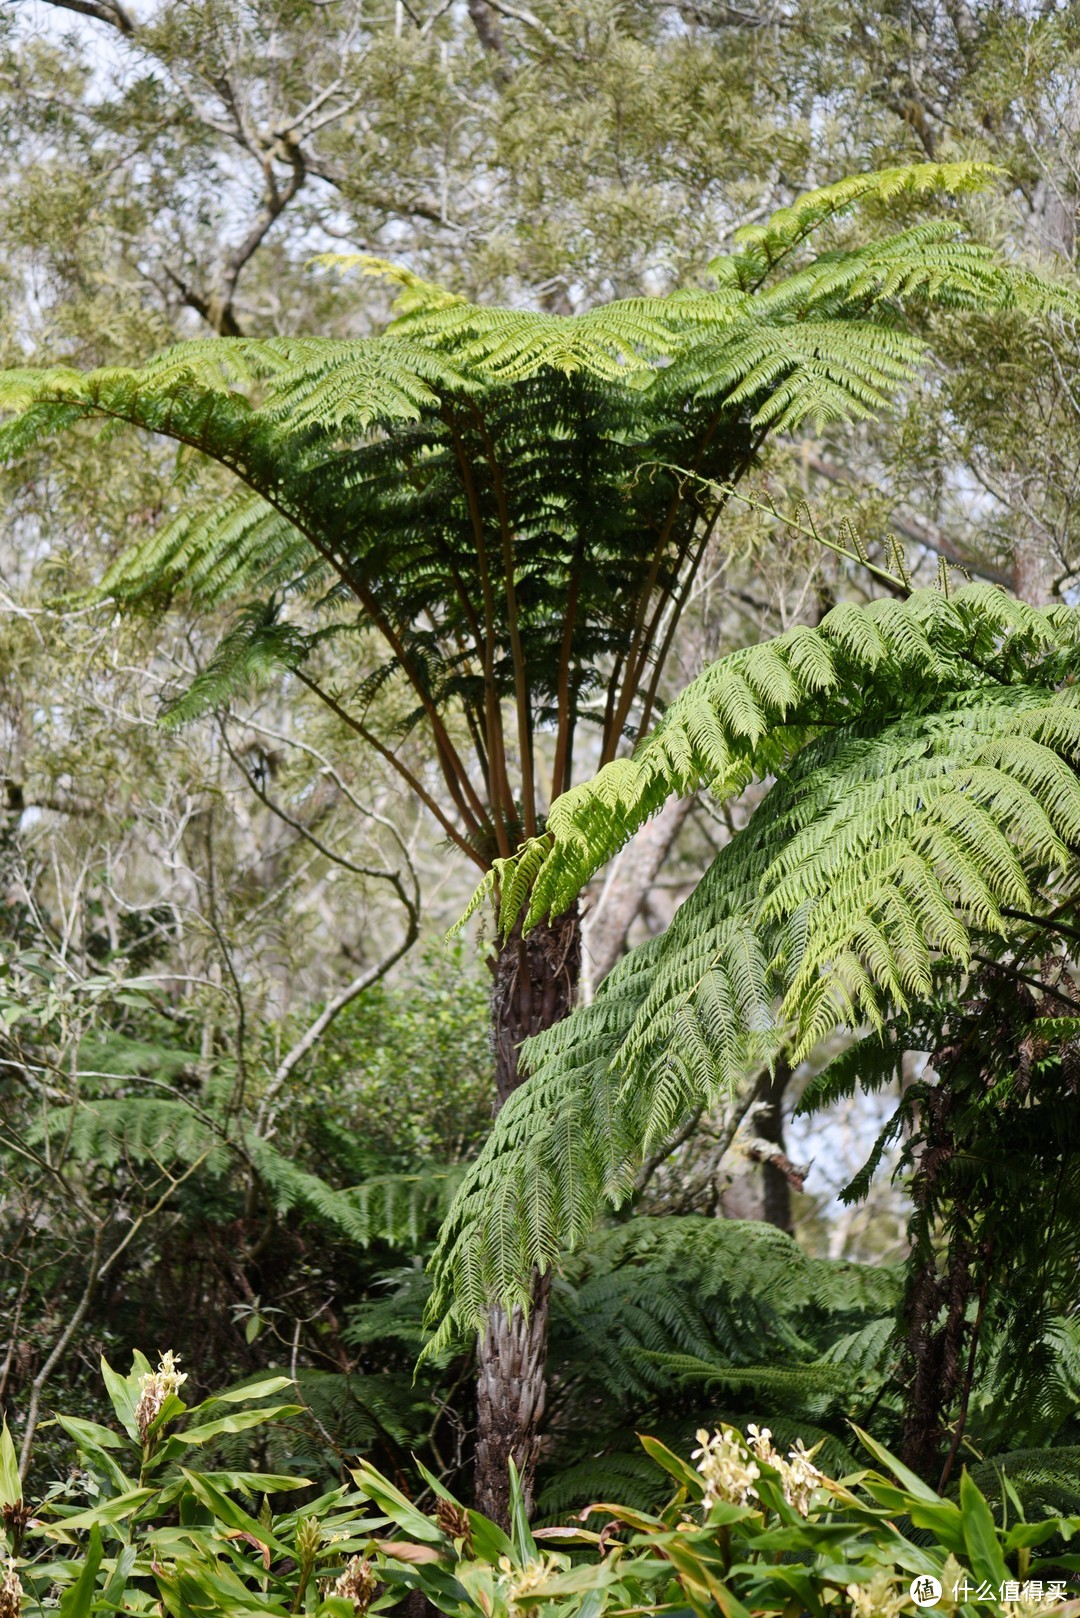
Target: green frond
[
  {"x": 750, "y": 713},
  {"x": 258, "y": 647},
  {"x": 213, "y": 550},
  {"x": 134, "y": 1129},
  {"x": 416, "y": 294},
  {"x": 399, "y": 1209},
  {"x": 789, "y": 226},
  {"x": 925, "y": 755},
  {"x": 865, "y": 1064},
  {"x": 1046, "y": 1480}
]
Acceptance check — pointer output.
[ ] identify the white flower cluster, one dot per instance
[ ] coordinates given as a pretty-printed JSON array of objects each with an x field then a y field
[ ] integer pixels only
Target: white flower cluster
[
  {"x": 1030, "y": 1606},
  {"x": 726, "y": 1467},
  {"x": 155, "y": 1388},
  {"x": 520, "y": 1584},
  {"x": 357, "y": 1582},
  {"x": 728, "y": 1464},
  {"x": 883, "y": 1597}
]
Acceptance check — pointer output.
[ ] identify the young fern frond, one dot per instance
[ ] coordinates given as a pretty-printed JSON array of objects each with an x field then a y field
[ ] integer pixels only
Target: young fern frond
[{"x": 767, "y": 244}]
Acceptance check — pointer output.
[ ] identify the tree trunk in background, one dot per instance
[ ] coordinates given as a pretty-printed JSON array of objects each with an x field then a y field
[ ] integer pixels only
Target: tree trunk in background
[
  {"x": 626, "y": 887},
  {"x": 775, "y": 1184},
  {"x": 535, "y": 983},
  {"x": 760, "y": 1185},
  {"x": 1033, "y": 571}
]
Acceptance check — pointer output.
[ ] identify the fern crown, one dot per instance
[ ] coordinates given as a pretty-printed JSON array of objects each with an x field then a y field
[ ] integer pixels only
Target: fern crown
[{"x": 489, "y": 491}]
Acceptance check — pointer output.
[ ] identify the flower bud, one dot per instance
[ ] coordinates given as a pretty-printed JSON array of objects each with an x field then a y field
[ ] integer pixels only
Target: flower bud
[
  {"x": 11, "y": 1593},
  {"x": 356, "y": 1583}
]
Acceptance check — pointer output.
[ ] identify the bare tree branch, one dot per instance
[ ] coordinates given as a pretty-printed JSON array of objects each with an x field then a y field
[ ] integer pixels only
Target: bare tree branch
[
  {"x": 333, "y": 1009},
  {"x": 109, "y": 11},
  {"x": 489, "y": 33}
]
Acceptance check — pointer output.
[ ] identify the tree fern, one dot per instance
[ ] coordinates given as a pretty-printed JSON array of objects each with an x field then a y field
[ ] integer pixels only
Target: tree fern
[
  {"x": 492, "y": 498},
  {"x": 925, "y": 756},
  {"x": 463, "y": 464}
]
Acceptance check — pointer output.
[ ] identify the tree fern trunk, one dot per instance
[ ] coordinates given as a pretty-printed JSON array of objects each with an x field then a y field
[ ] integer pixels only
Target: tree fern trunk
[{"x": 535, "y": 981}]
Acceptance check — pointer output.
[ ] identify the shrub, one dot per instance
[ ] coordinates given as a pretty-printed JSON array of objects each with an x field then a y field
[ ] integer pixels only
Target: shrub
[{"x": 141, "y": 1527}]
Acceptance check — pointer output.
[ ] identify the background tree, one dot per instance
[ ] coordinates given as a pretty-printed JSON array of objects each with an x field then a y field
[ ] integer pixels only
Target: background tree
[{"x": 150, "y": 170}]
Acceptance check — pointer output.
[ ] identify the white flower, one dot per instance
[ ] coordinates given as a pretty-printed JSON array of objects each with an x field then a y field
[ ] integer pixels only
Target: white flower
[
  {"x": 356, "y": 1583},
  {"x": 800, "y": 1478},
  {"x": 520, "y": 1584},
  {"x": 726, "y": 1467},
  {"x": 883, "y": 1597},
  {"x": 155, "y": 1388},
  {"x": 729, "y": 1466}
]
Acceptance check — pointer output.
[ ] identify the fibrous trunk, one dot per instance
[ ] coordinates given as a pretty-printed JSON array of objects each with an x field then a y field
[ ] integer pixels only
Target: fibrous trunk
[
  {"x": 535, "y": 981},
  {"x": 936, "y": 1297}
]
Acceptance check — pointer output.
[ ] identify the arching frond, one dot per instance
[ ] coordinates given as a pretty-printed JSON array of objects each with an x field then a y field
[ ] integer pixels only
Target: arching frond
[{"x": 927, "y": 756}]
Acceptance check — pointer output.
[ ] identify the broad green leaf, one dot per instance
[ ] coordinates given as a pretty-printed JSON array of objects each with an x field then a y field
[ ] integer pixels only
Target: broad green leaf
[
  {"x": 673, "y": 1464},
  {"x": 336, "y": 1607},
  {"x": 233, "y": 1396},
  {"x": 124, "y": 1398},
  {"x": 696, "y": 1574},
  {"x": 593, "y": 1602},
  {"x": 78, "y": 1600},
  {"x": 524, "y": 1543},
  {"x": 228, "y": 1512},
  {"x": 1049, "y": 1564},
  {"x": 245, "y": 1482},
  {"x": 87, "y": 1434},
  {"x": 90, "y": 1432},
  {"x": 722, "y": 1512},
  {"x": 106, "y": 1511},
  {"x": 489, "y": 1541},
  {"x": 237, "y": 1423},
  {"x": 11, "y": 1491},
  {"x": 1026, "y": 1535},
  {"x": 914, "y": 1485},
  {"x": 116, "y": 1583},
  {"x": 980, "y": 1534},
  {"x": 943, "y": 1520},
  {"x": 437, "y": 1487},
  {"x": 394, "y": 1503},
  {"x": 170, "y": 1409}
]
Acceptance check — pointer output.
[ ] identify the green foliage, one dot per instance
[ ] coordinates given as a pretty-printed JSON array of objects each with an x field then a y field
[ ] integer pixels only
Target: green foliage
[
  {"x": 157, "y": 1529},
  {"x": 413, "y": 1063},
  {"x": 989, "y": 1132},
  {"x": 924, "y": 752},
  {"x": 662, "y": 1323},
  {"x": 749, "y": 1531},
  {"x": 749, "y": 714},
  {"x": 245, "y": 1247},
  {"x": 491, "y": 490},
  {"x": 145, "y": 1523}
]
